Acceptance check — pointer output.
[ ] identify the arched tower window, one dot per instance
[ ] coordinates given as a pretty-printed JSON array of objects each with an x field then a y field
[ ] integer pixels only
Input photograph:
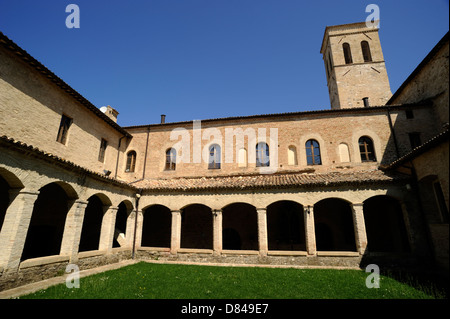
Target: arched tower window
[
  {"x": 262, "y": 155},
  {"x": 171, "y": 159},
  {"x": 366, "y": 51},
  {"x": 366, "y": 149},
  {"x": 313, "y": 153},
  {"x": 347, "y": 53},
  {"x": 131, "y": 161},
  {"x": 214, "y": 157}
]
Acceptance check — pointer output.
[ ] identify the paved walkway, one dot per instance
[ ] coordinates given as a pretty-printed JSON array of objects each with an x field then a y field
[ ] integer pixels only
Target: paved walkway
[{"x": 44, "y": 284}]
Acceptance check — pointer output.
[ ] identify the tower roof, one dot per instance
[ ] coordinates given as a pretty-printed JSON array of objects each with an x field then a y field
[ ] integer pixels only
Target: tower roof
[{"x": 344, "y": 28}]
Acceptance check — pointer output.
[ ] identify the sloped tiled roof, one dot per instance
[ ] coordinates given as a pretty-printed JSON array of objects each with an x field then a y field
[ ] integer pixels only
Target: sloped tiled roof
[
  {"x": 8, "y": 142},
  {"x": 265, "y": 181}
]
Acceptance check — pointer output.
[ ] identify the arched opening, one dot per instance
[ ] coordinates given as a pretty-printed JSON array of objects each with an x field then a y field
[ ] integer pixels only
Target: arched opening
[
  {"x": 214, "y": 159},
  {"x": 156, "y": 227},
  {"x": 120, "y": 226},
  {"x": 313, "y": 157},
  {"x": 333, "y": 221},
  {"x": 131, "y": 161},
  {"x": 196, "y": 227},
  {"x": 4, "y": 199},
  {"x": 240, "y": 227},
  {"x": 262, "y": 155},
  {"x": 347, "y": 53},
  {"x": 385, "y": 227},
  {"x": 366, "y": 149},
  {"x": 92, "y": 223},
  {"x": 286, "y": 226},
  {"x": 366, "y": 51},
  {"x": 48, "y": 218},
  {"x": 171, "y": 159}
]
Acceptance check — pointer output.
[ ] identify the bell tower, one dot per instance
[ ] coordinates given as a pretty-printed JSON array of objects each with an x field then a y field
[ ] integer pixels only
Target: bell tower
[{"x": 355, "y": 69}]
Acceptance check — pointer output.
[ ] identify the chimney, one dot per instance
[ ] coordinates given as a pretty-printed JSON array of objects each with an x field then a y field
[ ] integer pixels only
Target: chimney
[
  {"x": 366, "y": 101},
  {"x": 110, "y": 112},
  {"x": 163, "y": 118}
]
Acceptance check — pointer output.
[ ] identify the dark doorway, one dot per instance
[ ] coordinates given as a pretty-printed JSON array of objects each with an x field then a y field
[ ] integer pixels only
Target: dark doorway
[
  {"x": 157, "y": 227},
  {"x": 286, "y": 226},
  {"x": 240, "y": 227},
  {"x": 92, "y": 224},
  {"x": 385, "y": 227},
  {"x": 46, "y": 227},
  {"x": 333, "y": 221},
  {"x": 196, "y": 227}
]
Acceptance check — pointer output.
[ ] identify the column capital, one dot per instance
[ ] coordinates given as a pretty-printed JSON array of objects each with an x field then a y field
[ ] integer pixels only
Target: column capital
[
  {"x": 357, "y": 204},
  {"x": 174, "y": 211},
  {"x": 262, "y": 209},
  {"x": 216, "y": 212}
]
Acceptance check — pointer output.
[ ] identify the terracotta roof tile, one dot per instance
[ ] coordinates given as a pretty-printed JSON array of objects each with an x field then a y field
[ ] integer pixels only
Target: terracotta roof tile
[{"x": 280, "y": 180}]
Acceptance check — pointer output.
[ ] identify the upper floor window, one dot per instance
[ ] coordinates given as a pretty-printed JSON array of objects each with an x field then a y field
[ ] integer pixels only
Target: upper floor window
[
  {"x": 101, "y": 154},
  {"x": 366, "y": 149},
  {"x": 347, "y": 53},
  {"x": 414, "y": 139},
  {"x": 63, "y": 129},
  {"x": 366, "y": 51},
  {"x": 313, "y": 153},
  {"x": 171, "y": 159},
  {"x": 214, "y": 157},
  {"x": 262, "y": 155},
  {"x": 131, "y": 161}
]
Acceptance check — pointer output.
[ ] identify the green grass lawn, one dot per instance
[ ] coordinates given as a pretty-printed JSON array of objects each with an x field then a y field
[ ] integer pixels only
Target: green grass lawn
[{"x": 170, "y": 281}]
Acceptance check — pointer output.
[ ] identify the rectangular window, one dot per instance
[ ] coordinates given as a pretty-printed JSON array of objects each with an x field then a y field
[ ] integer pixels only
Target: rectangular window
[
  {"x": 414, "y": 140},
  {"x": 101, "y": 154},
  {"x": 409, "y": 114},
  {"x": 63, "y": 131}
]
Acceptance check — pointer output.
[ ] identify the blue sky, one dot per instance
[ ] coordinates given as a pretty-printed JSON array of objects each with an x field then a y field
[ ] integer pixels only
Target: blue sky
[{"x": 201, "y": 59}]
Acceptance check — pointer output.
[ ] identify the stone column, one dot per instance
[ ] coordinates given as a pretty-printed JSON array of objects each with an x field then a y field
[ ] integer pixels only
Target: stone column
[
  {"x": 310, "y": 232},
  {"x": 360, "y": 227},
  {"x": 217, "y": 231},
  {"x": 15, "y": 227},
  {"x": 139, "y": 220},
  {"x": 107, "y": 229},
  {"x": 175, "y": 240},
  {"x": 262, "y": 231},
  {"x": 129, "y": 232},
  {"x": 72, "y": 230}
]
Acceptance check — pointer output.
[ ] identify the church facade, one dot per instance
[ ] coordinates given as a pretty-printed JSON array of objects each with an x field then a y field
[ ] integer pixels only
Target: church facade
[{"x": 365, "y": 181}]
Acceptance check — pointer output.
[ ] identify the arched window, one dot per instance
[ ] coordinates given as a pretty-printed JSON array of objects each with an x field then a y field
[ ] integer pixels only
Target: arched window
[
  {"x": 214, "y": 157},
  {"x": 262, "y": 155},
  {"x": 131, "y": 161},
  {"x": 366, "y": 149},
  {"x": 171, "y": 159},
  {"x": 366, "y": 51},
  {"x": 347, "y": 53},
  {"x": 313, "y": 153}
]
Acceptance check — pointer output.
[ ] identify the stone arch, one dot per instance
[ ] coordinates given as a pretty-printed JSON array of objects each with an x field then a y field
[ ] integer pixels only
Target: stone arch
[
  {"x": 240, "y": 227},
  {"x": 286, "y": 226},
  {"x": 156, "y": 226},
  {"x": 385, "y": 226},
  {"x": 196, "y": 227},
  {"x": 120, "y": 227},
  {"x": 46, "y": 228},
  {"x": 333, "y": 222},
  {"x": 92, "y": 222}
]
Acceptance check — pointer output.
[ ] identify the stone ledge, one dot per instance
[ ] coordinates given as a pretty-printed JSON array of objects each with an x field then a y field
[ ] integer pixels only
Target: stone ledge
[
  {"x": 239, "y": 252},
  {"x": 197, "y": 251},
  {"x": 92, "y": 253},
  {"x": 164, "y": 249},
  {"x": 43, "y": 261},
  {"x": 338, "y": 254},
  {"x": 286, "y": 253}
]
